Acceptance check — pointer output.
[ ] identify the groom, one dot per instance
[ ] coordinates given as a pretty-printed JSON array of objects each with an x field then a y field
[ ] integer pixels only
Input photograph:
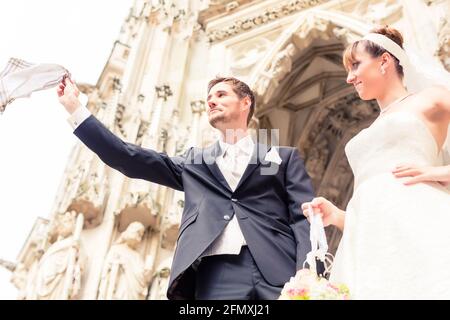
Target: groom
[{"x": 242, "y": 235}]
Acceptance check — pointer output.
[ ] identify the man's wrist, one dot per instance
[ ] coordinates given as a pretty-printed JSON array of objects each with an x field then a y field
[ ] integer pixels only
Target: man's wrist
[
  {"x": 78, "y": 116},
  {"x": 72, "y": 108}
]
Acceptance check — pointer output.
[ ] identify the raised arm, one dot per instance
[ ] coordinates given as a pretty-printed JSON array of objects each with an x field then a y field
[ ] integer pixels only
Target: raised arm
[{"x": 132, "y": 160}]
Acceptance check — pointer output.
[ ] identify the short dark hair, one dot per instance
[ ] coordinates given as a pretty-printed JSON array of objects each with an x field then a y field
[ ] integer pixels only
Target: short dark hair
[{"x": 240, "y": 88}]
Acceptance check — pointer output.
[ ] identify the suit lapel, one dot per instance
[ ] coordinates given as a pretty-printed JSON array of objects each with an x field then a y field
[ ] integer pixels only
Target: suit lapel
[
  {"x": 209, "y": 157},
  {"x": 259, "y": 153}
]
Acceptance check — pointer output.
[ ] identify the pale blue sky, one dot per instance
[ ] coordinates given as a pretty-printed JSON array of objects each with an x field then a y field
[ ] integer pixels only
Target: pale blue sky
[{"x": 35, "y": 138}]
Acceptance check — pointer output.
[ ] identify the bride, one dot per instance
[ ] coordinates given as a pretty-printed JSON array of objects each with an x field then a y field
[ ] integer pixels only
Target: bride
[{"x": 396, "y": 236}]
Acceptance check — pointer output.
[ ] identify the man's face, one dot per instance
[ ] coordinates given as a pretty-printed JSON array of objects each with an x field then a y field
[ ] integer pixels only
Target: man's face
[{"x": 225, "y": 107}]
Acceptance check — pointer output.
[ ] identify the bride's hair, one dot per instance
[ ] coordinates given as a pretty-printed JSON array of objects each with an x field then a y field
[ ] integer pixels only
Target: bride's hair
[{"x": 373, "y": 49}]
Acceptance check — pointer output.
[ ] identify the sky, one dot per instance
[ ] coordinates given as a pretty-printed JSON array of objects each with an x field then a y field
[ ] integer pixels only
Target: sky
[{"x": 35, "y": 138}]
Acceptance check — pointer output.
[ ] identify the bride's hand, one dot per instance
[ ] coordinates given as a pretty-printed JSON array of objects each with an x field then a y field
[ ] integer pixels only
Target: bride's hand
[
  {"x": 327, "y": 210},
  {"x": 417, "y": 174}
]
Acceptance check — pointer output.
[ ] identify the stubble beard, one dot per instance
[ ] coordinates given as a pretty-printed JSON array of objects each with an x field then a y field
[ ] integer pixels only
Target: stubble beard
[{"x": 214, "y": 120}]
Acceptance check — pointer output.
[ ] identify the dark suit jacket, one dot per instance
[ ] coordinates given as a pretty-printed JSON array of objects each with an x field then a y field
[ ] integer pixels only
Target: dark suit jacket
[{"x": 267, "y": 206}]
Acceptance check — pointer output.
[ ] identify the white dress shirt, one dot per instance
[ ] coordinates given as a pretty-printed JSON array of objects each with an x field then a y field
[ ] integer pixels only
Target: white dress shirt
[
  {"x": 76, "y": 118},
  {"x": 232, "y": 162}
]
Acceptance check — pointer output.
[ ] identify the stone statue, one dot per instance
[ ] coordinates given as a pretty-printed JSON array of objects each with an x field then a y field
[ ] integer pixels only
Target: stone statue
[
  {"x": 19, "y": 280},
  {"x": 58, "y": 274},
  {"x": 161, "y": 280},
  {"x": 378, "y": 12},
  {"x": 317, "y": 160},
  {"x": 443, "y": 50},
  {"x": 282, "y": 64},
  {"x": 280, "y": 67},
  {"x": 125, "y": 276},
  {"x": 171, "y": 223}
]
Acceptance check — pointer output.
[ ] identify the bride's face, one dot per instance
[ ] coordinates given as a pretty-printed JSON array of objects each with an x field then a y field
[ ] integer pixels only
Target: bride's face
[{"x": 365, "y": 74}]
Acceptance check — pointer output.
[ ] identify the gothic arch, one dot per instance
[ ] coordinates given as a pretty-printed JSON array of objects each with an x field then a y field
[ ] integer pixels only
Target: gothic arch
[{"x": 310, "y": 25}]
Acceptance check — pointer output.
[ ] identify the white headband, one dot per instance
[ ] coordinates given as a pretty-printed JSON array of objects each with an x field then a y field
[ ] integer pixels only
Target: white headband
[
  {"x": 419, "y": 73},
  {"x": 390, "y": 46}
]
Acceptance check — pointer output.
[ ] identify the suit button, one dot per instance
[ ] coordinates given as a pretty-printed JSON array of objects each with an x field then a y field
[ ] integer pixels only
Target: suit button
[
  {"x": 226, "y": 217},
  {"x": 234, "y": 200}
]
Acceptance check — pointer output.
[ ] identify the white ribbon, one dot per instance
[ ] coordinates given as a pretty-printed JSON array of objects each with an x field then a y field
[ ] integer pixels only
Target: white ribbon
[{"x": 319, "y": 245}]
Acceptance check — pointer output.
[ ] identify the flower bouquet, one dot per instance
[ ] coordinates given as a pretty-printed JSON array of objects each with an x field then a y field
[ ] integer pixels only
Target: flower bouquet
[{"x": 307, "y": 284}]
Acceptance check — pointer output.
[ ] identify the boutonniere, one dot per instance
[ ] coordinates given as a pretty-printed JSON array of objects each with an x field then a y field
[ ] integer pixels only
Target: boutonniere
[{"x": 273, "y": 156}]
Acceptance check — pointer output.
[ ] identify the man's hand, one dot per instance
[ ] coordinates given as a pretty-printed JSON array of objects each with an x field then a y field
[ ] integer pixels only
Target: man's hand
[
  {"x": 423, "y": 174},
  {"x": 68, "y": 95}
]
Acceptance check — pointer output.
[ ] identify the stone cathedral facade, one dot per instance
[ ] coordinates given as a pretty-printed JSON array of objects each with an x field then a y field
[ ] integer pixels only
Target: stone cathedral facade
[{"x": 111, "y": 237}]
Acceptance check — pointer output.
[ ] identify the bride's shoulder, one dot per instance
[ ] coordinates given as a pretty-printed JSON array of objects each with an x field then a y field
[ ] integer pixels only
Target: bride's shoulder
[
  {"x": 435, "y": 93},
  {"x": 438, "y": 96}
]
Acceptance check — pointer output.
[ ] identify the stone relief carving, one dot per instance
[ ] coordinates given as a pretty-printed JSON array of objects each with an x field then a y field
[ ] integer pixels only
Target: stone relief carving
[
  {"x": 231, "y": 6},
  {"x": 218, "y": 2},
  {"x": 198, "y": 106},
  {"x": 336, "y": 118},
  {"x": 171, "y": 224},
  {"x": 59, "y": 271},
  {"x": 247, "y": 55},
  {"x": 443, "y": 51},
  {"x": 89, "y": 199},
  {"x": 345, "y": 35},
  {"x": 268, "y": 15},
  {"x": 120, "y": 119},
  {"x": 269, "y": 80},
  {"x": 137, "y": 206},
  {"x": 19, "y": 277},
  {"x": 125, "y": 275},
  {"x": 24, "y": 273},
  {"x": 20, "y": 280},
  {"x": 317, "y": 160},
  {"x": 143, "y": 127},
  {"x": 380, "y": 12},
  {"x": 163, "y": 92},
  {"x": 160, "y": 280},
  {"x": 311, "y": 28},
  {"x": 163, "y": 137}
]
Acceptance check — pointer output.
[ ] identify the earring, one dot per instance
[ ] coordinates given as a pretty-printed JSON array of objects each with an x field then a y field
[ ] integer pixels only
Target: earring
[{"x": 383, "y": 71}]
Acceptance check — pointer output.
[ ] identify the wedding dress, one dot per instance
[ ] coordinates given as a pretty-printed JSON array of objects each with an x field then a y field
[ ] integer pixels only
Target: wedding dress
[{"x": 396, "y": 241}]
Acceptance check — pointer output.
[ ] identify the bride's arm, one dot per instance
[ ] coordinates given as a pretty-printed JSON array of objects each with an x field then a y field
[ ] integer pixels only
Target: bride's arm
[
  {"x": 331, "y": 215},
  {"x": 439, "y": 96},
  {"x": 439, "y": 111},
  {"x": 418, "y": 174}
]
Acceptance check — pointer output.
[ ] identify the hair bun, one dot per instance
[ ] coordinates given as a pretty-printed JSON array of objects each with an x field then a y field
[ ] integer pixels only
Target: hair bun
[{"x": 391, "y": 33}]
